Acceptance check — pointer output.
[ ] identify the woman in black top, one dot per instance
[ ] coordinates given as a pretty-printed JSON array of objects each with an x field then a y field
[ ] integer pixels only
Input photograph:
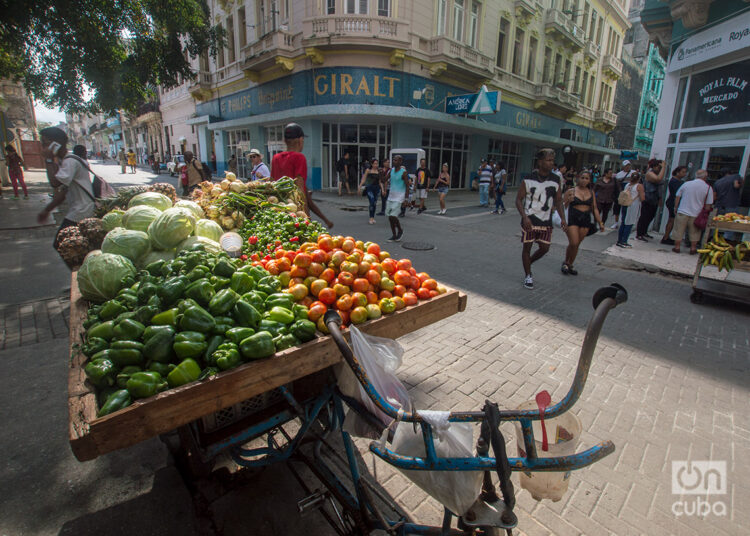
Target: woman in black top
[
  {"x": 605, "y": 190},
  {"x": 370, "y": 183},
  {"x": 580, "y": 202}
]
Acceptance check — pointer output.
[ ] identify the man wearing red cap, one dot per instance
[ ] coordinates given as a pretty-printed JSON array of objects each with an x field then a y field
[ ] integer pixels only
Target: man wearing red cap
[{"x": 292, "y": 163}]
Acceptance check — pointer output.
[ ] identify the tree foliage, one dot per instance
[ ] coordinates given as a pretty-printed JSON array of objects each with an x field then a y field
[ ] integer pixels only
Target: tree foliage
[{"x": 102, "y": 55}]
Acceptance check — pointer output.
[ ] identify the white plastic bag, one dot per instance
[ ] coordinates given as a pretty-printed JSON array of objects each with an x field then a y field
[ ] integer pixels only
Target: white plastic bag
[
  {"x": 556, "y": 221},
  {"x": 380, "y": 358},
  {"x": 457, "y": 490}
]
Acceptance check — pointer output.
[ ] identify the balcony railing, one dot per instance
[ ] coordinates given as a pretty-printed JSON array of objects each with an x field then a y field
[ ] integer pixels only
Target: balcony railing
[
  {"x": 514, "y": 82},
  {"x": 603, "y": 116},
  {"x": 555, "y": 97},
  {"x": 591, "y": 50},
  {"x": 613, "y": 65},
  {"x": 558, "y": 22},
  {"x": 444, "y": 46},
  {"x": 355, "y": 28},
  {"x": 526, "y": 7},
  {"x": 279, "y": 40}
]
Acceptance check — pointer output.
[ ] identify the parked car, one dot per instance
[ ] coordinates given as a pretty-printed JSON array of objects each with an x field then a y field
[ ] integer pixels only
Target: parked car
[{"x": 174, "y": 166}]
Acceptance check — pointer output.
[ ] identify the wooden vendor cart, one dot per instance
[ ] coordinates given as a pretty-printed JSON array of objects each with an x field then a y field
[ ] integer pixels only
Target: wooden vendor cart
[
  {"x": 736, "y": 287},
  {"x": 91, "y": 437}
]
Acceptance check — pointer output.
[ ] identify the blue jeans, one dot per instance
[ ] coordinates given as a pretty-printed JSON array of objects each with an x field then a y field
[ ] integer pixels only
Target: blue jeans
[
  {"x": 484, "y": 194},
  {"x": 499, "y": 199},
  {"x": 373, "y": 191}
]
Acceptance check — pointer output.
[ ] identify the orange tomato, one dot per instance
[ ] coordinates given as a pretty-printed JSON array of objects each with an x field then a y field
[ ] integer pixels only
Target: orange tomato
[
  {"x": 348, "y": 245},
  {"x": 423, "y": 276},
  {"x": 298, "y": 271},
  {"x": 340, "y": 289},
  {"x": 306, "y": 301},
  {"x": 328, "y": 275},
  {"x": 345, "y": 278},
  {"x": 316, "y": 311},
  {"x": 359, "y": 299},
  {"x": 344, "y": 317},
  {"x": 317, "y": 285},
  {"x": 372, "y": 277},
  {"x": 319, "y": 255},
  {"x": 290, "y": 255},
  {"x": 325, "y": 242},
  {"x": 399, "y": 290},
  {"x": 434, "y": 293},
  {"x": 344, "y": 303},
  {"x": 373, "y": 249},
  {"x": 372, "y": 297},
  {"x": 358, "y": 285},
  {"x": 303, "y": 260},
  {"x": 315, "y": 269},
  {"x": 338, "y": 257},
  {"x": 358, "y": 315},
  {"x": 337, "y": 241},
  {"x": 410, "y": 298},
  {"x": 399, "y": 302},
  {"x": 284, "y": 264},
  {"x": 327, "y": 296},
  {"x": 402, "y": 277},
  {"x": 385, "y": 294},
  {"x": 272, "y": 267},
  {"x": 429, "y": 284},
  {"x": 296, "y": 281},
  {"x": 279, "y": 253},
  {"x": 390, "y": 266},
  {"x": 404, "y": 264},
  {"x": 364, "y": 267},
  {"x": 423, "y": 294}
]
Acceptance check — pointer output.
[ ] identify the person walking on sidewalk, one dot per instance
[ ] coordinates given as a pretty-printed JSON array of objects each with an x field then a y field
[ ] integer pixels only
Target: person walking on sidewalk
[
  {"x": 423, "y": 183},
  {"x": 631, "y": 210},
  {"x": 131, "y": 160},
  {"x": 342, "y": 169},
  {"x": 604, "y": 190},
  {"x": 538, "y": 196},
  {"x": 443, "y": 185},
  {"x": 260, "y": 169},
  {"x": 674, "y": 184},
  {"x": 499, "y": 183},
  {"x": 652, "y": 188},
  {"x": 622, "y": 178},
  {"x": 396, "y": 196},
  {"x": 384, "y": 174},
  {"x": 370, "y": 183},
  {"x": 691, "y": 199},
  {"x": 123, "y": 159},
  {"x": 580, "y": 203},
  {"x": 485, "y": 180},
  {"x": 15, "y": 170}
]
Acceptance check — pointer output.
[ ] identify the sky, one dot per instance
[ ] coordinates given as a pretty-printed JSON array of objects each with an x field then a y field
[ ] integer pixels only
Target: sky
[{"x": 48, "y": 115}]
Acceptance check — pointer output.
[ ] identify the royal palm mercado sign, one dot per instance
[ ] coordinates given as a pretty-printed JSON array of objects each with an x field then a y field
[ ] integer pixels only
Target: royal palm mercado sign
[
  {"x": 719, "y": 96},
  {"x": 729, "y": 36}
]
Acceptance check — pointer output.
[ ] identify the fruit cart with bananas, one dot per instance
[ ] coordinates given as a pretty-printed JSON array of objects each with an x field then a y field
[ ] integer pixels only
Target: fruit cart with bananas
[{"x": 718, "y": 254}]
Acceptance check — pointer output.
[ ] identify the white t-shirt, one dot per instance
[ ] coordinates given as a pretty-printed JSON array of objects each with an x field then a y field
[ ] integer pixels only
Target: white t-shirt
[
  {"x": 73, "y": 175},
  {"x": 623, "y": 175},
  {"x": 692, "y": 195},
  {"x": 499, "y": 177}
]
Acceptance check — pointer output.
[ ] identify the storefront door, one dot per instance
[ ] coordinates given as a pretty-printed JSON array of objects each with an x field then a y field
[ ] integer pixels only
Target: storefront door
[{"x": 693, "y": 160}]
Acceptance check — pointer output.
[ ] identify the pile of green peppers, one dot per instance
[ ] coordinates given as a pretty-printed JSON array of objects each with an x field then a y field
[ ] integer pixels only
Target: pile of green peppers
[{"x": 185, "y": 320}]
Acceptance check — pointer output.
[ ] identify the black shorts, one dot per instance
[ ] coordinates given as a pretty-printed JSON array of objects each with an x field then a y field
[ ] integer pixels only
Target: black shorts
[
  {"x": 670, "y": 209},
  {"x": 579, "y": 218}
]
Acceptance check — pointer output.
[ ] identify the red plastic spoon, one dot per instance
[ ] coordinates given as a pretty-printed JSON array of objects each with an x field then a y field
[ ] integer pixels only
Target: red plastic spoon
[{"x": 542, "y": 401}]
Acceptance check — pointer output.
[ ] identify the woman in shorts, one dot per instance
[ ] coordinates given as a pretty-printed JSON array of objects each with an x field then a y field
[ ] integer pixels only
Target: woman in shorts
[
  {"x": 581, "y": 204},
  {"x": 442, "y": 185}
]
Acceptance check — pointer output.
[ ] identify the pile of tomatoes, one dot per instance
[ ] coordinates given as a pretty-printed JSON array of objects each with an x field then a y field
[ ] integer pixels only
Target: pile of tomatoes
[{"x": 355, "y": 278}]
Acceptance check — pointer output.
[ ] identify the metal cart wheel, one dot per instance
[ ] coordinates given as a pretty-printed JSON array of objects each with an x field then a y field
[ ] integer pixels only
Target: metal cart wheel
[{"x": 696, "y": 297}]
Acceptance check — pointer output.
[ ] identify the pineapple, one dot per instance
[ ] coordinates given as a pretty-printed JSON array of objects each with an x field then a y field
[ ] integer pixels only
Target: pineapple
[
  {"x": 73, "y": 250},
  {"x": 91, "y": 229},
  {"x": 164, "y": 188}
]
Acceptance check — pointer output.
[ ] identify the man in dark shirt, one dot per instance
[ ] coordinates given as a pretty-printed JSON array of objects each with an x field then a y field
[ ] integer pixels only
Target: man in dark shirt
[
  {"x": 342, "y": 169},
  {"x": 727, "y": 190},
  {"x": 384, "y": 176},
  {"x": 675, "y": 181}
]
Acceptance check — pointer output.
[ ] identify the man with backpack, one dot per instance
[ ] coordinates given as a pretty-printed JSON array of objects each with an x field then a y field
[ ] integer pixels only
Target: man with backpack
[
  {"x": 193, "y": 173},
  {"x": 71, "y": 181}
]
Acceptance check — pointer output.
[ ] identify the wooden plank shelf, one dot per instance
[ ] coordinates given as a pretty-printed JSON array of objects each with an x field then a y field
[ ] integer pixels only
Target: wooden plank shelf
[{"x": 91, "y": 436}]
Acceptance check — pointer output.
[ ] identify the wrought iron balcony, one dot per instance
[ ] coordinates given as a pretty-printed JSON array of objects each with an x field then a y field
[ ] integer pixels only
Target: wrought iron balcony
[{"x": 557, "y": 22}]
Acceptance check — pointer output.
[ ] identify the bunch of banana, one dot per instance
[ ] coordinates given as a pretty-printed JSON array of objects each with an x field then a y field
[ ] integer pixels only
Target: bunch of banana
[{"x": 722, "y": 254}]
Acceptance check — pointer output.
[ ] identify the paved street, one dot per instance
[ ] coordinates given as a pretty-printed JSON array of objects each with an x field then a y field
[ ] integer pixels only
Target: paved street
[{"x": 669, "y": 382}]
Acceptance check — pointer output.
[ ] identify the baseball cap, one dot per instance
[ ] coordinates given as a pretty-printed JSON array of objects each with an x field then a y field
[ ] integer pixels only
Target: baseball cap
[
  {"x": 254, "y": 152},
  {"x": 293, "y": 131},
  {"x": 625, "y": 163}
]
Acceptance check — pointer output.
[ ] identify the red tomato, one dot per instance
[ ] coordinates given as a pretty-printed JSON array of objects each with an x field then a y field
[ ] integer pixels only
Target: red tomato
[
  {"x": 325, "y": 242},
  {"x": 373, "y": 277},
  {"x": 429, "y": 284},
  {"x": 303, "y": 260},
  {"x": 372, "y": 297},
  {"x": 434, "y": 293},
  {"x": 327, "y": 296},
  {"x": 404, "y": 264},
  {"x": 390, "y": 266},
  {"x": 373, "y": 249},
  {"x": 385, "y": 294},
  {"x": 423, "y": 294},
  {"x": 413, "y": 272},
  {"x": 364, "y": 267},
  {"x": 340, "y": 289},
  {"x": 279, "y": 253},
  {"x": 298, "y": 271},
  {"x": 358, "y": 315},
  {"x": 338, "y": 257},
  {"x": 272, "y": 268},
  {"x": 317, "y": 285},
  {"x": 359, "y": 299},
  {"x": 345, "y": 278},
  {"x": 296, "y": 281},
  {"x": 402, "y": 277},
  {"x": 328, "y": 275},
  {"x": 319, "y": 255},
  {"x": 284, "y": 264},
  {"x": 358, "y": 285},
  {"x": 399, "y": 290},
  {"x": 410, "y": 298},
  {"x": 399, "y": 302},
  {"x": 348, "y": 245},
  {"x": 344, "y": 317},
  {"x": 316, "y": 311},
  {"x": 344, "y": 303},
  {"x": 315, "y": 269},
  {"x": 306, "y": 301},
  {"x": 290, "y": 255},
  {"x": 423, "y": 276}
]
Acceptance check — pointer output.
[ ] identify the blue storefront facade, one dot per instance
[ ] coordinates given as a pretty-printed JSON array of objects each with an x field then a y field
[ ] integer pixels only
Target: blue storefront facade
[{"x": 368, "y": 111}]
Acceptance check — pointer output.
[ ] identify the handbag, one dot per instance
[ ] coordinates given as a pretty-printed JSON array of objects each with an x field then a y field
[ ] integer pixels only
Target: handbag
[
  {"x": 624, "y": 199},
  {"x": 701, "y": 221},
  {"x": 102, "y": 189}
]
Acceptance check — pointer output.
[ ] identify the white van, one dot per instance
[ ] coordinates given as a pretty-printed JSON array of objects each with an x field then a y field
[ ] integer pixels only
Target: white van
[{"x": 411, "y": 160}]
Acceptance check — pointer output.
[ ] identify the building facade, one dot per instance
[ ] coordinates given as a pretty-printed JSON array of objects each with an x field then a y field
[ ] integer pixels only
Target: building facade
[
  {"x": 628, "y": 99},
  {"x": 177, "y": 107},
  {"x": 368, "y": 76}
]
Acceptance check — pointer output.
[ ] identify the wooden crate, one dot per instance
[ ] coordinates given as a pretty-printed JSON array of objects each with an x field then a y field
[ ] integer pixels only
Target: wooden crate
[
  {"x": 730, "y": 226},
  {"x": 91, "y": 436}
]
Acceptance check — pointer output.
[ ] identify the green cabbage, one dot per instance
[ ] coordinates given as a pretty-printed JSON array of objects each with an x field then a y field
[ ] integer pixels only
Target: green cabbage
[
  {"x": 194, "y": 207},
  {"x": 130, "y": 244},
  {"x": 209, "y": 229},
  {"x": 170, "y": 228},
  {"x": 139, "y": 217},
  {"x": 209, "y": 245},
  {"x": 101, "y": 276},
  {"x": 112, "y": 219},
  {"x": 154, "y": 199},
  {"x": 153, "y": 256}
]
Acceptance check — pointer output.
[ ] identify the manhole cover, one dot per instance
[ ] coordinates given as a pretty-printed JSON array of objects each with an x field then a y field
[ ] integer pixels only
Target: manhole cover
[{"x": 418, "y": 246}]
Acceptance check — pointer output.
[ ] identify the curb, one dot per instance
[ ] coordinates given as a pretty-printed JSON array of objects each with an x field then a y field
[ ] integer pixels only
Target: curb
[{"x": 611, "y": 261}]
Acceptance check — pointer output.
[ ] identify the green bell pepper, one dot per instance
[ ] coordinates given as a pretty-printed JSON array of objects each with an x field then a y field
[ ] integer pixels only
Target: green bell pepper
[
  {"x": 129, "y": 315},
  {"x": 145, "y": 313},
  {"x": 241, "y": 282},
  {"x": 166, "y": 318},
  {"x": 200, "y": 291},
  {"x": 172, "y": 289},
  {"x": 223, "y": 302},
  {"x": 300, "y": 311},
  {"x": 126, "y": 345},
  {"x": 256, "y": 299},
  {"x": 101, "y": 371},
  {"x": 155, "y": 267},
  {"x": 187, "y": 371},
  {"x": 246, "y": 315},
  {"x": 199, "y": 272},
  {"x": 103, "y": 393},
  {"x": 256, "y": 272},
  {"x": 282, "y": 342},
  {"x": 257, "y": 346},
  {"x": 176, "y": 266},
  {"x": 219, "y": 283},
  {"x": 196, "y": 318},
  {"x": 304, "y": 330},
  {"x": 281, "y": 314},
  {"x": 111, "y": 309},
  {"x": 155, "y": 330},
  {"x": 269, "y": 284},
  {"x": 145, "y": 292},
  {"x": 187, "y": 303},
  {"x": 208, "y": 372},
  {"x": 213, "y": 344},
  {"x": 94, "y": 345},
  {"x": 189, "y": 344},
  {"x": 145, "y": 384},
  {"x": 223, "y": 324},
  {"x": 162, "y": 368},
  {"x": 236, "y": 335},
  {"x": 128, "y": 330},
  {"x": 272, "y": 327},
  {"x": 224, "y": 268},
  {"x": 103, "y": 330},
  {"x": 123, "y": 357},
  {"x": 128, "y": 298},
  {"x": 125, "y": 374},
  {"x": 116, "y": 401},
  {"x": 227, "y": 356},
  {"x": 280, "y": 299},
  {"x": 158, "y": 346},
  {"x": 155, "y": 301}
]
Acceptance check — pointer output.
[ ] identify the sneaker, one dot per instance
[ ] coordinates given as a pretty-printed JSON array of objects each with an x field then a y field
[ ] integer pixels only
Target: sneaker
[
  {"x": 572, "y": 271},
  {"x": 392, "y": 238},
  {"x": 620, "y": 245},
  {"x": 565, "y": 269},
  {"x": 641, "y": 238},
  {"x": 667, "y": 241},
  {"x": 626, "y": 245},
  {"x": 372, "y": 220},
  {"x": 614, "y": 225},
  {"x": 397, "y": 238},
  {"x": 528, "y": 282},
  {"x": 648, "y": 236},
  {"x": 494, "y": 212}
]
